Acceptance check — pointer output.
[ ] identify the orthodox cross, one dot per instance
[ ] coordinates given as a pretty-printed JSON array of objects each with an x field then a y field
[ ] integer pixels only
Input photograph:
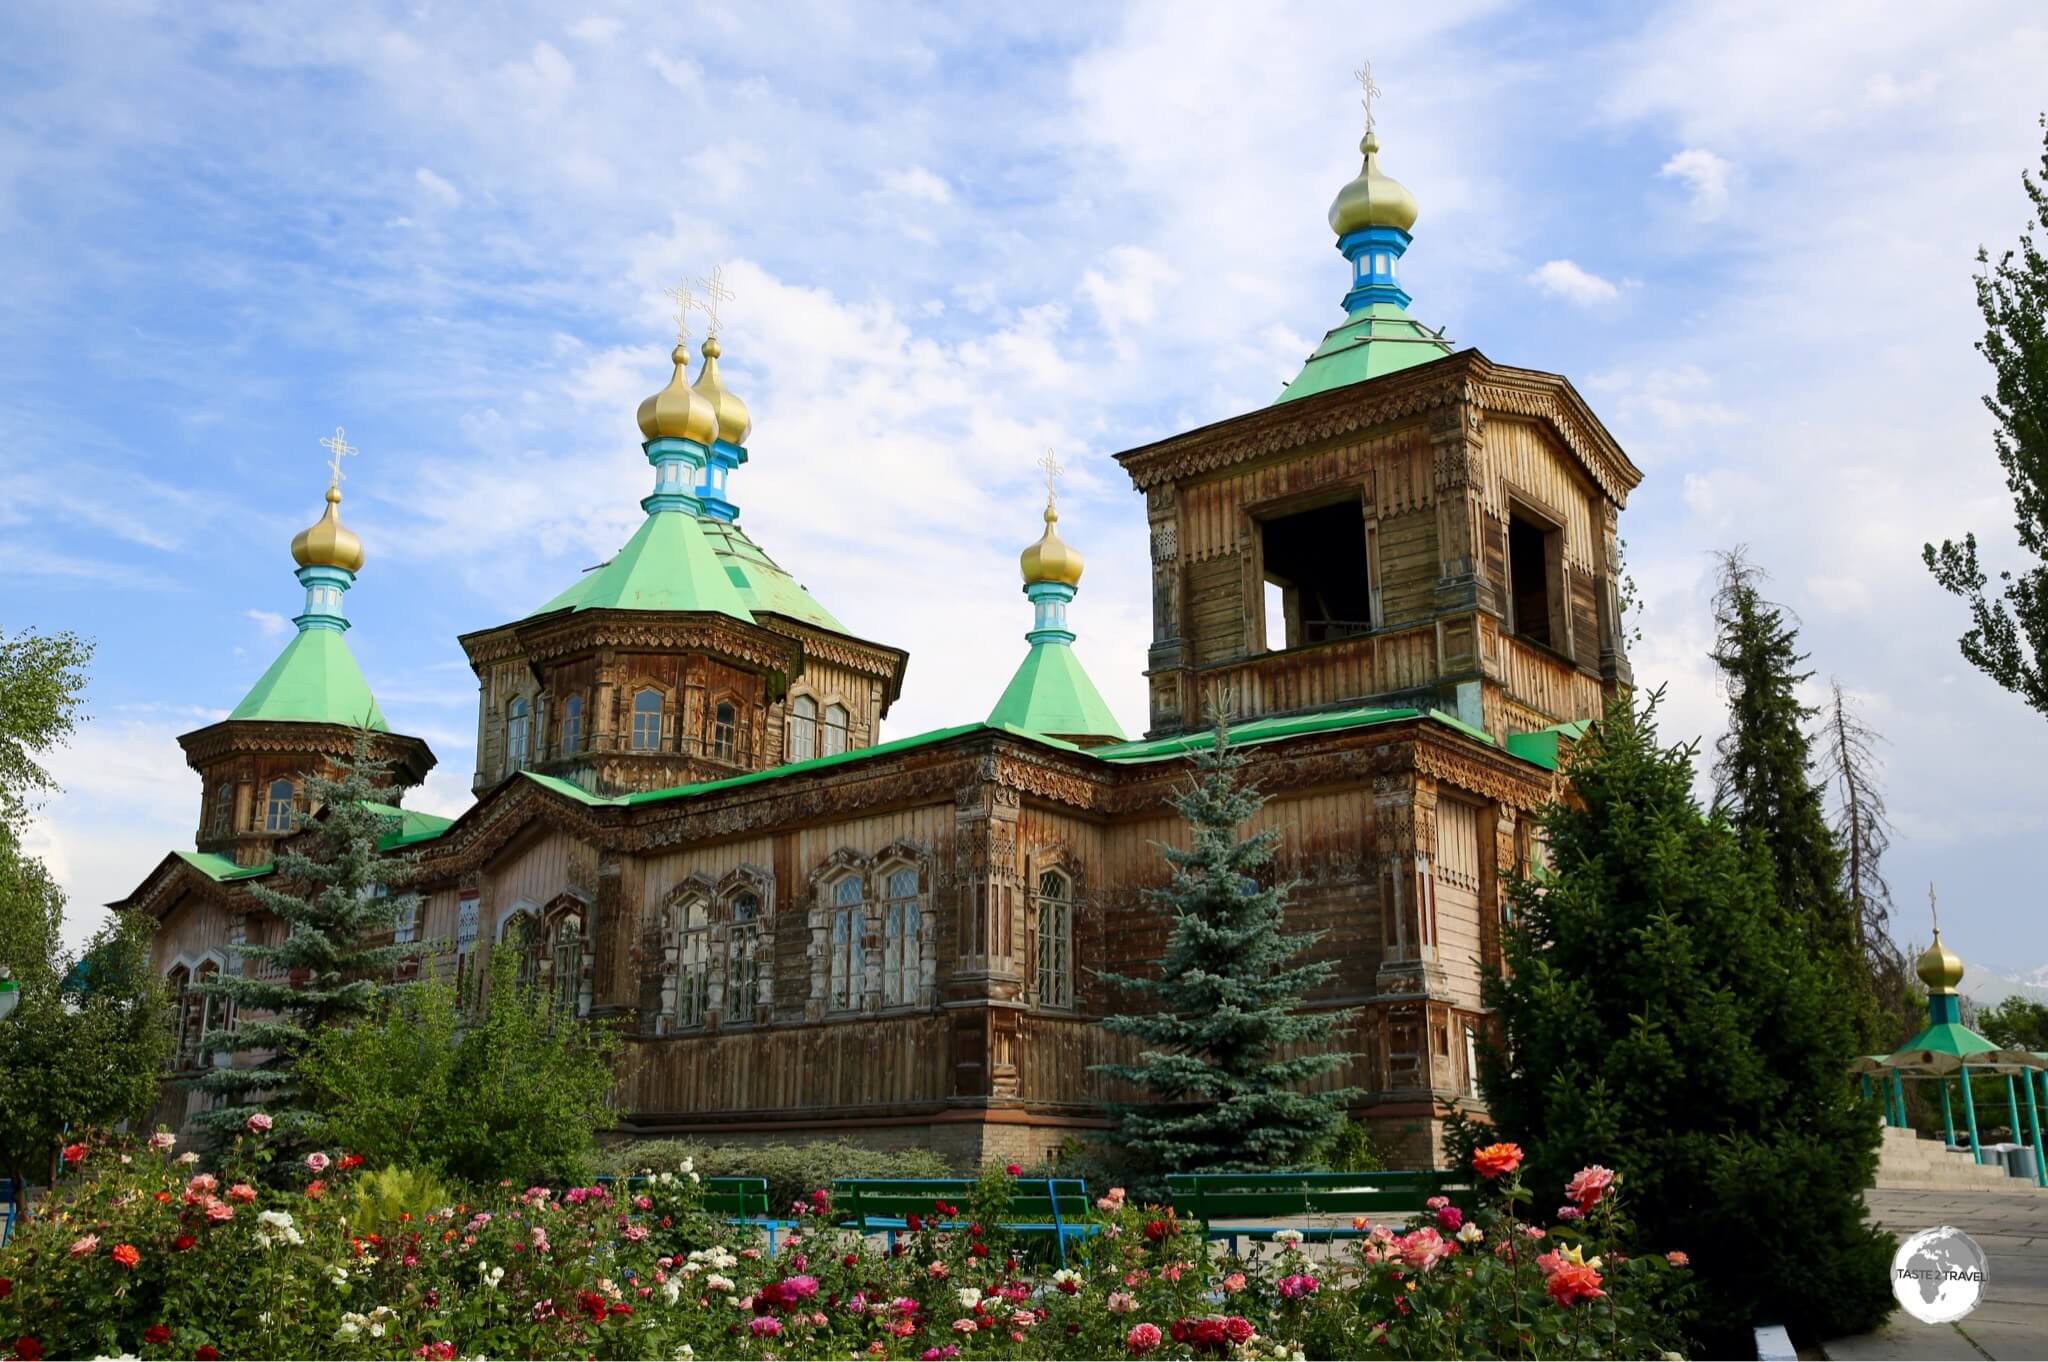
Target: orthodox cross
[
  {"x": 1932, "y": 911},
  {"x": 1363, "y": 75},
  {"x": 680, "y": 296},
  {"x": 715, "y": 295},
  {"x": 1050, "y": 464},
  {"x": 337, "y": 444}
]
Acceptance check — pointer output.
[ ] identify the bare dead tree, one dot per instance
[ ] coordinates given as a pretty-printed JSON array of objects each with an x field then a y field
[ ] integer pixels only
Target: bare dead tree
[{"x": 1852, "y": 768}]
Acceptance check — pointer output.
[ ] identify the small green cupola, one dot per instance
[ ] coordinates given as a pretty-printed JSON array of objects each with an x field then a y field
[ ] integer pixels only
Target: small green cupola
[
  {"x": 1051, "y": 693},
  {"x": 1372, "y": 216},
  {"x": 316, "y": 679}
]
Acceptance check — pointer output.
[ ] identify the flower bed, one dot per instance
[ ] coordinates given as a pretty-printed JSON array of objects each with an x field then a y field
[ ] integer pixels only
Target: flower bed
[{"x": 141, "y": 1253}]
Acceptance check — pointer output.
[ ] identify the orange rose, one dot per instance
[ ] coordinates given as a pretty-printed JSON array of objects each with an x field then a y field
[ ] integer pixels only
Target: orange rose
[
  {"x": 1573, "y": 1282},
  {"x": 127, "y": 1255},
  {"x": 1496, "y": 1159}
]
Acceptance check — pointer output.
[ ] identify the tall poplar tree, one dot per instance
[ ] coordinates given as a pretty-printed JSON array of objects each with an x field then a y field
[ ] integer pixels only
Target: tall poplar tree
[
  {"x": 1660, "y": 1015},
  {"x": 1227, "y": 1000},
  {"x": 2008, "y": 635},
  {"x": 333, "y": 896}
]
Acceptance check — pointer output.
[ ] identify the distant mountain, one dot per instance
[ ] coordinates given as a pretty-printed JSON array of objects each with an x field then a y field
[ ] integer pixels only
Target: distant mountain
[{"x": 1988, "y": 987}]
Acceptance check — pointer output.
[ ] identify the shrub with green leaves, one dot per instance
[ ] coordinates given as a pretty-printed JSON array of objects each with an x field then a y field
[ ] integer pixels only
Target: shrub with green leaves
[{"x": 793, "y": 1171}]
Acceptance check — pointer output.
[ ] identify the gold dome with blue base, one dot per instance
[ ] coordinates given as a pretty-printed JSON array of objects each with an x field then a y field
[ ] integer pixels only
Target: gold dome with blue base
[{"x": 1051, "y": 692}]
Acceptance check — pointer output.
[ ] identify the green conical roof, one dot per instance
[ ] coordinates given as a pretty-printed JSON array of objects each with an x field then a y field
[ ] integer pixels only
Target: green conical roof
[
  {"x": 763, "y": 586},
  {"x": 1051, "y": 694},
  {"x": 668, "y": 564},
  {"x": 314, "y": 680},
  {"x": 1377, "y": 338}
]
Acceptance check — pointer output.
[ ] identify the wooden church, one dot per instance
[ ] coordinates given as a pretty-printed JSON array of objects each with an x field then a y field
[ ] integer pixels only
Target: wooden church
[{"x": 1403, "y": 572}]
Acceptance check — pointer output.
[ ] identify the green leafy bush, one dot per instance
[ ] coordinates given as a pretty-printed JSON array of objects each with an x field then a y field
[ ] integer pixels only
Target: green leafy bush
[
  {"x": 513, "y": 1088},
  {"x": 793, "y": 1171},
  {"x": 383, "y": 1196}
]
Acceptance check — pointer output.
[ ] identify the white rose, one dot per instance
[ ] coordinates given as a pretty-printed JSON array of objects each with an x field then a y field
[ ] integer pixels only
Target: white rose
[{"x": 969, "y": 1297}]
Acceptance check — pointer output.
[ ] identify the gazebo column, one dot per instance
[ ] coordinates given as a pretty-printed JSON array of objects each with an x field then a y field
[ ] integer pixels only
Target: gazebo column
[
  {"x": 2034, "y": 1121},
  {"x": 1899, "y": 1100},
  {"x": 1970, "y": 1110},
  {"x": 1948, "y": 1113}
]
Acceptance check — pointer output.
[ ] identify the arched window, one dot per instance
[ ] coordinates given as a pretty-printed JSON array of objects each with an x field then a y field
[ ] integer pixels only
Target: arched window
[
  {"x": 515, "y": 734},
  {"x": 1055, "y": 940},
  {"x": 803, "y": 729},
  {"x": 833, "y": 738},
  {"x": 900, "y": 954},
  {"x": 522, "y": 934},
  {"x": 848, "y": 961},
  {"x": 725, "y": 724},
  {"x": 178, "y": 983},
  {"x": 277, "y": 815},
  {"x": 646, "y": 720},
  {"x": 224, "y": 810},
  {"x": 572, "y": 725},
  {"x": 568, "y": 965},
  {"x": 693, "y": 962},
  {"x": 742, "y": 954}
]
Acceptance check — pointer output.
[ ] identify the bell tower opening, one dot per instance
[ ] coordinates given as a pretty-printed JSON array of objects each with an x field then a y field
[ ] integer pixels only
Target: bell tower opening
[
  {"x": 1317, "y": 559},
  {"x": 1534, "y": 567}
]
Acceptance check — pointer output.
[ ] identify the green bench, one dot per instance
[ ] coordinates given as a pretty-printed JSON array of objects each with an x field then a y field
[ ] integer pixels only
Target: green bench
[
  {"x": 1054, "y": 1208},
  {"x": 1220, "y": 1202},
  {"x": 736, "y": 1201}
]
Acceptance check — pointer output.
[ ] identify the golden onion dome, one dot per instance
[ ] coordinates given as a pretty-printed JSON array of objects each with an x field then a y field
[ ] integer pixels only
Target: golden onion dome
[
  {"x": 678, "y": 412},
  {"x": 327, "y": 542},
  {"x": 735, "y": 422},
  {"x": 1373, "y": 199},
  {"x": 1051, "y": 559},
  {"x": 1940, "y": 968}
]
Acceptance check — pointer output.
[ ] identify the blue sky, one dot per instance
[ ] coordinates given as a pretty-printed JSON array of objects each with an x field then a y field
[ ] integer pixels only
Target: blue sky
[{"x": 1744, "y": 230}]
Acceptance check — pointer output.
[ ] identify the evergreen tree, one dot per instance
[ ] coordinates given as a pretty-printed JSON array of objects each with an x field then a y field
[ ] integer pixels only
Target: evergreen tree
[
  {"x": 1227, "y": 1001},
  {"x": 332, "y": 896},
  {"x": 1863, "y": 830},
  {"x": 2008, "y": 635},
  {"x": 1764, "y": 779},
  {"x": 1661, "y": 1015}
]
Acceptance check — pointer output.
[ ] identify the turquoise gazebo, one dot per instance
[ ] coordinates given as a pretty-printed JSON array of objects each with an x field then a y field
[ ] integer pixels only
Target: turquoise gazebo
[{"x": 1948, "y": 1049}]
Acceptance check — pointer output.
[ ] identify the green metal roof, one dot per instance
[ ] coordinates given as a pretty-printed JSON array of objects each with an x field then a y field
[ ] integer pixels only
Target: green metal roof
[
  {"x": 1052, "y": 694},
  {"x": 1376, "y": 339},
  {"x": 220, "y": 868},
  {"x": 764, "y": 587},
  {"x": 314, "y": 680},
  {"x": 668, "y": 564},
  {"x": 1544, "y": 746},
  {"x": 413, "y": 826},
  {"x": 1253, "y": 731}
]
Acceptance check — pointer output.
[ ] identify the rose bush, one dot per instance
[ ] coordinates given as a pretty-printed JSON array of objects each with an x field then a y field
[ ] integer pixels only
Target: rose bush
[{"x": 139, "y": 1252}]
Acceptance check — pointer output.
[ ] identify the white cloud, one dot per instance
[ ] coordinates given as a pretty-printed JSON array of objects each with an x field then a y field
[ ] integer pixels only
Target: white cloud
[
  {"x": 1705, "y": 174},
  {"x": 915, "y": 182},
  {"x": 1125, "y": 292},
  {"x": 447, "y": 193},
  {"x": 680, "y": 72},
  {"x": 270, "y": 622},
  {"x": 597, "y": 29},
  {"x": 1567, "y": 280}
]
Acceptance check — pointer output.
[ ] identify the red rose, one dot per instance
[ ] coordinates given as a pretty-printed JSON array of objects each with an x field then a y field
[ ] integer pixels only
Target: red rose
[
  {"x": 349, "y": 1161},
  {"x": 28, "y": 1348},
  {"x": 7, "y": 1287},
  {"x": 183, "y": 1242},
  {"x": 1014, "y": 1169},
  {"x": 125, "y": 1254},
  {"x": 206, "y": 1352},
  {"x": 72, "y": 1154},
  {"x": 157, "y": 1333}
]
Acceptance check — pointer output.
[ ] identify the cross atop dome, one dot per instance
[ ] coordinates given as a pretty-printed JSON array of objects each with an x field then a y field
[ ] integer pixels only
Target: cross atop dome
[{"x": 340, "y": 449}]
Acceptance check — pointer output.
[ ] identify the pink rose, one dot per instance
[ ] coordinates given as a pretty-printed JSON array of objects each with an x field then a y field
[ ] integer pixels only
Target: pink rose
[
  {"x": 317, "y": 1162},
  {"x": 1142, "y": 1338},
  {"x": 1122, "y": 1303},
  {"x": 162, "y": 1140},
  {"x": 1588, "y": 1185},
  {"x": 87, "y": 1244},
  {"x": 204, "y": 1183},
  {"x": 242, "y": 1192},
  {"x": 1234, "y": 1282},
  {"x": 257, "y": 1123}
]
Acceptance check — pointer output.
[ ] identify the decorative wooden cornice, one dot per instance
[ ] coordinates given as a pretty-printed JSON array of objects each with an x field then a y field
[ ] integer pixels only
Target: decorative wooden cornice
[
  {"x": 410, "y": 757},
  {"x": 878, "y": 660},
  {"x": 1465, "y": 377}
]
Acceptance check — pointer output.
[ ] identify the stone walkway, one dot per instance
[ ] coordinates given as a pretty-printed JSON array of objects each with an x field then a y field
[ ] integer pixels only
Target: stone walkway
[{"x": 2011, "y": 1321}]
